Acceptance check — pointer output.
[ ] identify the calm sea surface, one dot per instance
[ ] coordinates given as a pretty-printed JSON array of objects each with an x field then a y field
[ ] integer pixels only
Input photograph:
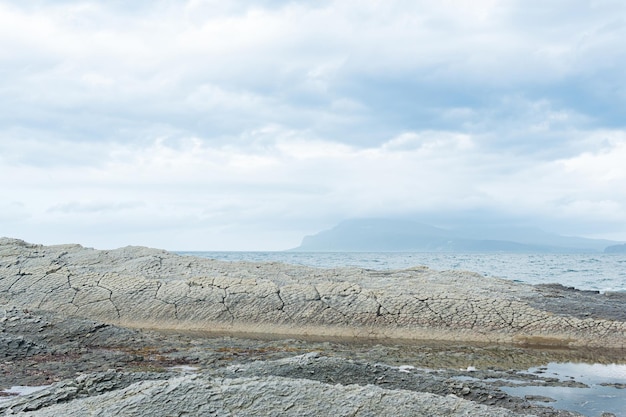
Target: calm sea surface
[{"x": 597, "y": 271}]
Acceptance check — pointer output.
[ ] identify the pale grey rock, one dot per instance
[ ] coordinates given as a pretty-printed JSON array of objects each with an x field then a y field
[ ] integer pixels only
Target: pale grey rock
[
  {"x": 142, "y": 287},
  {"x": 268, "y": 396},
  {"x": 86, "y": 385}
]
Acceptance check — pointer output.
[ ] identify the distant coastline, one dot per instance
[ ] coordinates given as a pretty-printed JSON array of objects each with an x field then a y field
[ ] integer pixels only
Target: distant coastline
[
  {"x": 398, "y": 235},
  {"x": 616, "y": 249}
]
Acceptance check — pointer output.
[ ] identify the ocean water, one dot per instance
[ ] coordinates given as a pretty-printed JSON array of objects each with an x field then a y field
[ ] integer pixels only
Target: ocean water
[{"x": 598, "y": 271}]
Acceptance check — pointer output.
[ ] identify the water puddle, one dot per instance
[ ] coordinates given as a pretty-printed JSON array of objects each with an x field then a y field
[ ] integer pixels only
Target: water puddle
[
  {"x": 17, "y": 390},
  {"x": 184, "y": 369},
  {"x": 605, "y": 391}
]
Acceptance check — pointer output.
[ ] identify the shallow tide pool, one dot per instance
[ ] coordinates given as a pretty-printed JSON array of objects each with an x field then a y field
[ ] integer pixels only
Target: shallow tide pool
[{"x": 606, "y": 390}]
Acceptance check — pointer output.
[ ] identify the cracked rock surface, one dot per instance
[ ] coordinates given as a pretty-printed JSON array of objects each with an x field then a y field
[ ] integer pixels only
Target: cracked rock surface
[
  {"x": 110, "y": 358},
  {"x": 144, "y": 287},
  {"x": 150, "y": 288},
  {"x": 203, "y": 395},
  {"x": 95, "y": 368}
]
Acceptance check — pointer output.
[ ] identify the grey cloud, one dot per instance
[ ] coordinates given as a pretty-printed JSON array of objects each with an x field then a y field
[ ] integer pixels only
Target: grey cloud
[{"x": 271, "y": 85}]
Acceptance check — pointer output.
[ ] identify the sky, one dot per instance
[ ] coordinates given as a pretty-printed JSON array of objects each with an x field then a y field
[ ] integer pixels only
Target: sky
[{"x": 246, "y": 125}]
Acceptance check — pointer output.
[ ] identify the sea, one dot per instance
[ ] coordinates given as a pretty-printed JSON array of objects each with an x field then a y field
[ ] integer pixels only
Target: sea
[{"x": 603, "y": 272}]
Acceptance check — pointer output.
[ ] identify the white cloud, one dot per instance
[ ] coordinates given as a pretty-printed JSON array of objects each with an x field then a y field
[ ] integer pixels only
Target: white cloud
[
  {"x": 191, "y": 184},
  {"x": 12, "y": 212},
  {"x": 93, "y": 207},
  {"x": 603, "y": 168},
  {"x": 430, "y": 142}
]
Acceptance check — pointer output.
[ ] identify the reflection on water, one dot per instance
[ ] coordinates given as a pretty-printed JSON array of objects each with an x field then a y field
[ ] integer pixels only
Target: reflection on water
[{"x": 606, "y": 391}]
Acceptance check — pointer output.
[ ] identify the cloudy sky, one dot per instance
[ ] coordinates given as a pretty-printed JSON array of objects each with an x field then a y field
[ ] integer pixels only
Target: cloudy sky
[{"x": 239, "y": 125}]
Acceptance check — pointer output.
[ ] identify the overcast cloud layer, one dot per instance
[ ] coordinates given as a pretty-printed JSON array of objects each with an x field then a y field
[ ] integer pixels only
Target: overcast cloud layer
[{"x": 221, "y": 125}]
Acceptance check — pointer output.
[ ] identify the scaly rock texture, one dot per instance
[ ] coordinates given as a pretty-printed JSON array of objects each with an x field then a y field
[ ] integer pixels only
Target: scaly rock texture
[
  {"x": 150, "y": 288},
  {"x": 107, "y": 395}
]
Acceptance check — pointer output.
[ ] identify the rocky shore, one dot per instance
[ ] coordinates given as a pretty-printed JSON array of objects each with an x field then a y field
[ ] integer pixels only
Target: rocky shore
[{"x": 136, "y": 331}]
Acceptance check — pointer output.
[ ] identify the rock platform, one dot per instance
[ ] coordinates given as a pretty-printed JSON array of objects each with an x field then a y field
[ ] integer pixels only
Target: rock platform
[
  {"x": 149, "y": 288},
  {"x": 364, "y": 343},
  {"x": 110, "y": 394}
]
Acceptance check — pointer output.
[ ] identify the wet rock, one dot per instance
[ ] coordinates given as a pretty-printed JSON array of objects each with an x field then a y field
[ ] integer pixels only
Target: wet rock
[
  {"x": 617, "y": 385},
  {"x": 227, "y": 357},
  {"x": 569, "y": 301},
  {"x": 16, "y": 347},
  {"x": 539, "y": 398},
  {"x": 314, "y": 366}
]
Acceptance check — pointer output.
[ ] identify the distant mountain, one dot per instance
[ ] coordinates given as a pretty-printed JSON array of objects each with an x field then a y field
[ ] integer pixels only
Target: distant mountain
[
  {"x": 393, "y": 235},
  {"x": 616, "y": 249}
]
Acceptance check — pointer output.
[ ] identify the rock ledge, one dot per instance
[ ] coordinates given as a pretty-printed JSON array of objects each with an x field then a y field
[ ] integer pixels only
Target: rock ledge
[{"x": 150, "y": 288}]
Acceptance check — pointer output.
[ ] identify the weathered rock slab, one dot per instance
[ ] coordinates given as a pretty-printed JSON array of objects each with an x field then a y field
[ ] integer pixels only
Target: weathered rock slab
[
  {"x": 142, "y": 287},
  {"x": 100, "y": 395}
]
